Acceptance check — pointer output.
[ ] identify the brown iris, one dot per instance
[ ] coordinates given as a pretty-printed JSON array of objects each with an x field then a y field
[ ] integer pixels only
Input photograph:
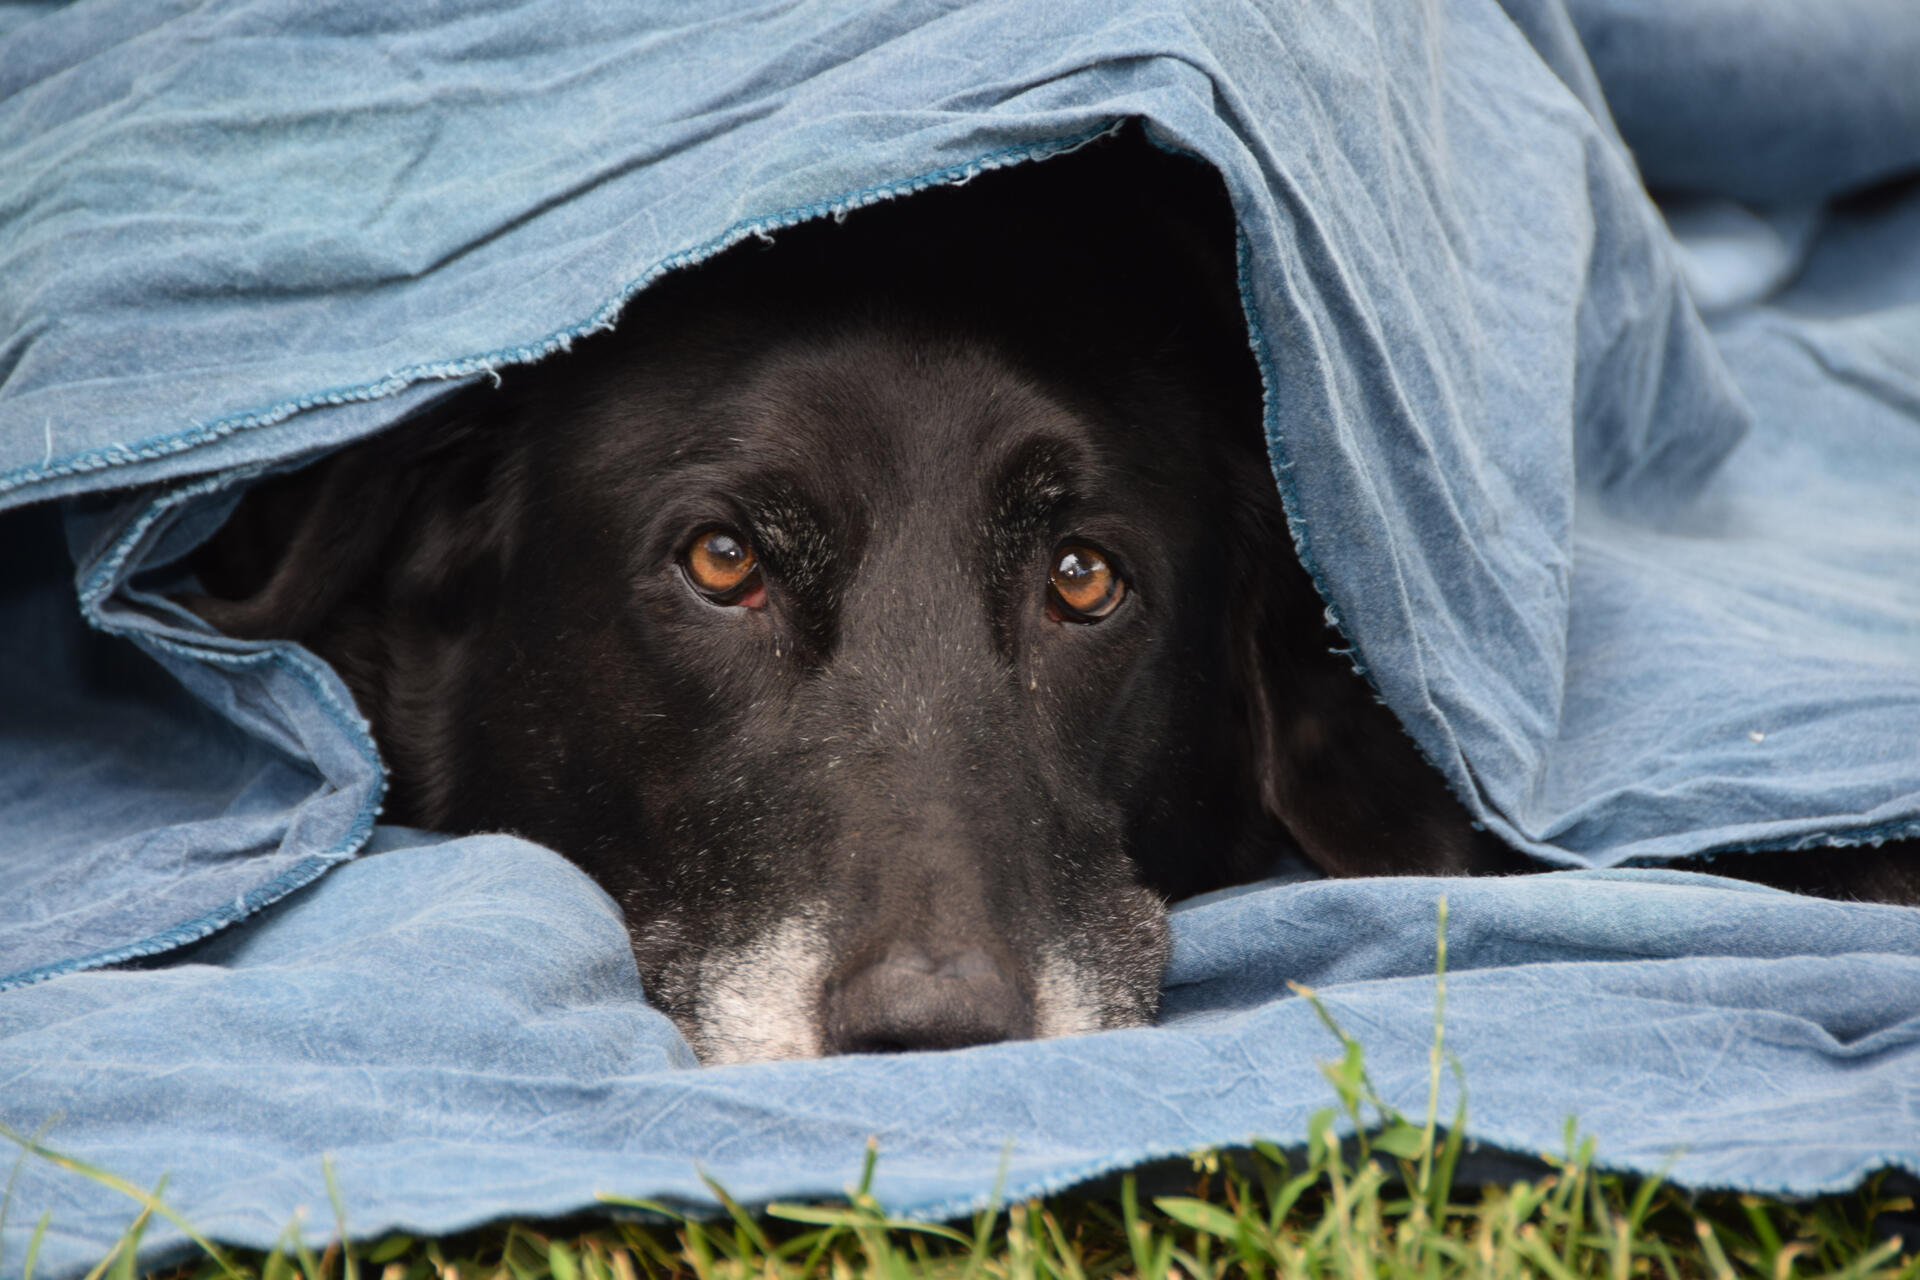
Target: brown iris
[
  {"x": 723, "y": 568},
  {"x": 1085, "y": 586}
]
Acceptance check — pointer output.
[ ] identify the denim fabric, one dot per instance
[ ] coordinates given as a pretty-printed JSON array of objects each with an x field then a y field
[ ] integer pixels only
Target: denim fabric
[
  {"x": 1639, "y": 584},
  {"x": 147, "y": 805},
  {"x": 1769, "y": 101},
  {"x": 458, "y": 1028}
]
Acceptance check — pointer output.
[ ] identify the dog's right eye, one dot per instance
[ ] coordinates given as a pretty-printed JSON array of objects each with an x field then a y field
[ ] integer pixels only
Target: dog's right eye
[
  {"x": 1084, "y": 586},
  {"x": 723, "y": 568}
]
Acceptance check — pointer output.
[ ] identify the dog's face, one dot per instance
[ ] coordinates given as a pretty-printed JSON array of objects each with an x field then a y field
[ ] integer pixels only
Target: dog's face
[
  {"x": 889, "y": 620},
  {"x": 865, "y": 669},
  {"x": 884, "y": 647}
]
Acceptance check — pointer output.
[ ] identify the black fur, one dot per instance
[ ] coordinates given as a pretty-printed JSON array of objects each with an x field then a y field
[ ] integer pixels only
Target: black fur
[{"x": 906, "y": 748}]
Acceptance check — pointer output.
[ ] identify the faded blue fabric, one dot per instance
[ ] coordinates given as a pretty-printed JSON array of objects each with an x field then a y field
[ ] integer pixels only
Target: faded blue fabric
[
  {"x": 1641, "y": 585},
  {"x": 1731, "y": 1035},
  {"x": 1770, "y": 101}
]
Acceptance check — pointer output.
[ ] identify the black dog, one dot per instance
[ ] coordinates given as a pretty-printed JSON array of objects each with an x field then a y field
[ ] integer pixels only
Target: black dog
[{"x": 890, "y": 619}]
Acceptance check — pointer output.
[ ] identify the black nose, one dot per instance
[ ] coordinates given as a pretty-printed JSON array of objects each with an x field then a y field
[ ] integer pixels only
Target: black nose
[{"x": 914, "y": 998}]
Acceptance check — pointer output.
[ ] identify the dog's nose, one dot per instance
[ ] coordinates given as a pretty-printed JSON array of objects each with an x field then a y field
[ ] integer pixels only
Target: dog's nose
[{"x": 912, "y": 998}]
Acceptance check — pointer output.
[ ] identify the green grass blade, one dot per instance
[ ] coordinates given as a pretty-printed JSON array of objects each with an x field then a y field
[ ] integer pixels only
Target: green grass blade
[
  {"x": 129, "y": 1247},
  {"x": 699, "y": 1250},
  {"x": 1139, "y": 1235},
  {"x": 818, "y": 1215},
  {"x": 983, "y": 1221},
  {"x": 309, "y": 1264},
  {"x": 125, "y": 1188},
  {"x": 741, "y": 1218},
  {"x": 1062, "y": 1261},
  {"x": 1436, "y": 1052},
  {"x": 119, "y": 1260},
  {"x": 1290, "y": 1193},
  {"x": 33, "y": 1244},
  {"x": 1200, "y": 1215},
  {"x": 389, "y": 1249},
  {"x": 854, "y": 1217},
  {"x": 646, "y": 1206},
  {"x": 1868, "y": 1262},
  {"x": 6, "y": 1198},
  {"x": 1403, "y": 1142},
  {"x": 278, "y": 1266},
  {"x": 113, "y": 1255},
  {"x": 1440, "y": 1185},
  {"x": 350, "y": 1269}
]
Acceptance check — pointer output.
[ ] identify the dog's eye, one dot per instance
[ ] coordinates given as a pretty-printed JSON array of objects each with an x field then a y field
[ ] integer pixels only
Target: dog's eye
[
  {"x": 724, "y": 569},
  {"x": 1085, "y": 587}
]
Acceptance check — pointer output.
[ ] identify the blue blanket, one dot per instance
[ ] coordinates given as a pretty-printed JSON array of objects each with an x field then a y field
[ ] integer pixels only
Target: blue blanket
[{"x": 1616, "y": 510}]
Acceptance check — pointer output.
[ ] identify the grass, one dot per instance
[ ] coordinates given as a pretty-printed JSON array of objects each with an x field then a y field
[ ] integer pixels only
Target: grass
[
  {"x": 1384, "y": 1202},
  {"x": 1342, "y": 1214}
]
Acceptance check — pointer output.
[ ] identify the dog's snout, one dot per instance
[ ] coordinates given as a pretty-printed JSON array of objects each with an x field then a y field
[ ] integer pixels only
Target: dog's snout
[{"x": 914, "y": 998}]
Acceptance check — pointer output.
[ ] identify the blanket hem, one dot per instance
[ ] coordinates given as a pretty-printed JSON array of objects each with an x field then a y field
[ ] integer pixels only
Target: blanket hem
[
  {"x": 93, "y": 591},
  {"x": 490, "y": 363}
]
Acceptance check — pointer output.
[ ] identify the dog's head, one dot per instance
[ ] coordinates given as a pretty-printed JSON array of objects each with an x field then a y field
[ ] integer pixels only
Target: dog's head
[{"x": 870, "y": 614}]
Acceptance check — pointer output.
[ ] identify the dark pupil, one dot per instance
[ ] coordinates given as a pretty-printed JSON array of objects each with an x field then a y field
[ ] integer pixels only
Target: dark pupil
[{"x": 726, "y": 549}]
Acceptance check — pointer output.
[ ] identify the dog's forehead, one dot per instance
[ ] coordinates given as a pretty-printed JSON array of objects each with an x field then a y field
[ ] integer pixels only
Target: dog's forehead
[
  {"x": 889, "y": 427},
  {"x": 905, "y": 402}
]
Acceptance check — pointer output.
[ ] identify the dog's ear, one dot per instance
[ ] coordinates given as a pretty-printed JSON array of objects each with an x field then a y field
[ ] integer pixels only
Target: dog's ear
[
  {"x": 341, "y": 536},
  {"x": 383, "y": 559},
  {"x": 1328, "y": 760},
  {"x": 296, "y": 546}
]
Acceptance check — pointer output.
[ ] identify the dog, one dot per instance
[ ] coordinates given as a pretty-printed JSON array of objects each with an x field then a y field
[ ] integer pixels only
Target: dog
[{"x": 892, "y": 619}]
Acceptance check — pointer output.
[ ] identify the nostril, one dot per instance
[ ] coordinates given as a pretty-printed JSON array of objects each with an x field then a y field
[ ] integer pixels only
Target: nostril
[{"x": 911, "y": 1000}]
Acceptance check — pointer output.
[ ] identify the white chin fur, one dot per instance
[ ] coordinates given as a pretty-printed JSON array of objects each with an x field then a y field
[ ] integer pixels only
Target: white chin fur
[
  {"x": 762, "y": 1002},
  {"x": 1066, "y": 999}
]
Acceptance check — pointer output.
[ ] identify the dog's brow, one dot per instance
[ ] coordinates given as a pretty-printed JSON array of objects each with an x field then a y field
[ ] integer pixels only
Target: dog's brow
[
  {"x": 791, "y": 530},
  {"x": 1035, "y": 481}
]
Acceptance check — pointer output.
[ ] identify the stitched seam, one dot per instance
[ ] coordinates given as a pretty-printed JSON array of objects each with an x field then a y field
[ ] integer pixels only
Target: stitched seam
[
  {"x": 298, "y": 876},
  {"x": 114, "y": 455}
]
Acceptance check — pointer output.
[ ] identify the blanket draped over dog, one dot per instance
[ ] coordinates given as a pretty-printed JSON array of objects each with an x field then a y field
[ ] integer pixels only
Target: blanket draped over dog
[{"x": 1620, "y": 513}]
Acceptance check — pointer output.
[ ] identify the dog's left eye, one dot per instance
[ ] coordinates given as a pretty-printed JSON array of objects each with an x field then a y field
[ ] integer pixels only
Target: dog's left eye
[
  {"x": 723, "y": 568},
  {"x": 1084, "y": 586}
]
